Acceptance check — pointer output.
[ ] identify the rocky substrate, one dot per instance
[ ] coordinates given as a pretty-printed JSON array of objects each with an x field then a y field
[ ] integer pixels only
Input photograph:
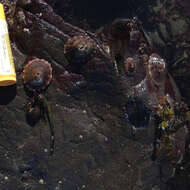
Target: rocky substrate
[
  {"x": 94, "y": 145},
  {"x": 94, "y": 148}
]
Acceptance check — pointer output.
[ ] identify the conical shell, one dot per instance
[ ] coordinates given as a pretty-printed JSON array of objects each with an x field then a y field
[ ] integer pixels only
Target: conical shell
[
  {"x": 78, "y": 49},
  {"x": 37, "y": 75}
]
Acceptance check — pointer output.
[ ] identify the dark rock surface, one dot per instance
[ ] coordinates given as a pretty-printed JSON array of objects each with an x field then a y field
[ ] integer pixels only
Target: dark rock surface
[{"x": 94, "y": 147}]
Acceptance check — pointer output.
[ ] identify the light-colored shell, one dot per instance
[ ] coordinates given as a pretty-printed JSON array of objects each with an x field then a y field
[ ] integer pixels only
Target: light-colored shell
[{"x": 37, "y": 75}]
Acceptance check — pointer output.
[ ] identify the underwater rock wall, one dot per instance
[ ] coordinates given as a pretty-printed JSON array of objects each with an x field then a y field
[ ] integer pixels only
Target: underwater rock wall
[{"x": 95, "y": 147}]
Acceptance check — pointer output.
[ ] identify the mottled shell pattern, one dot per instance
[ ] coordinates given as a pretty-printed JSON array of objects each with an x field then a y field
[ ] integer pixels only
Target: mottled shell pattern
[
  {"x": 130, "y": 65},
  {"x": 37, "y": 75},
  {"x": 155, "y": 59},
  {"x": 78, "y": 49},
  {"x": 156, "y": 66}
]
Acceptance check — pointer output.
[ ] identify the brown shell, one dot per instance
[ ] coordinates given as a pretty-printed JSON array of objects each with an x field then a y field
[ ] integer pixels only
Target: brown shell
[
  {"x": 78, "y": 42},
  {"x": 130, "y": 65},
  {"x": 157, "y": 68},
  {"x": 78, "y": 49},
  {"x": 37, "y": 75}
]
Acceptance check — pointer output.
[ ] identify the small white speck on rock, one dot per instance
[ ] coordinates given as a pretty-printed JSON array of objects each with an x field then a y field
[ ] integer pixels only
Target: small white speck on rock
[
  {"x": 26, "y": 30},
  {"x": 41, "y": 181},
  {"x": 81, "y": 137},
  {"x": 84, "y": 111},
  {"x": 45, "y": 150},
  {"x": 83, "y": 186}
]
